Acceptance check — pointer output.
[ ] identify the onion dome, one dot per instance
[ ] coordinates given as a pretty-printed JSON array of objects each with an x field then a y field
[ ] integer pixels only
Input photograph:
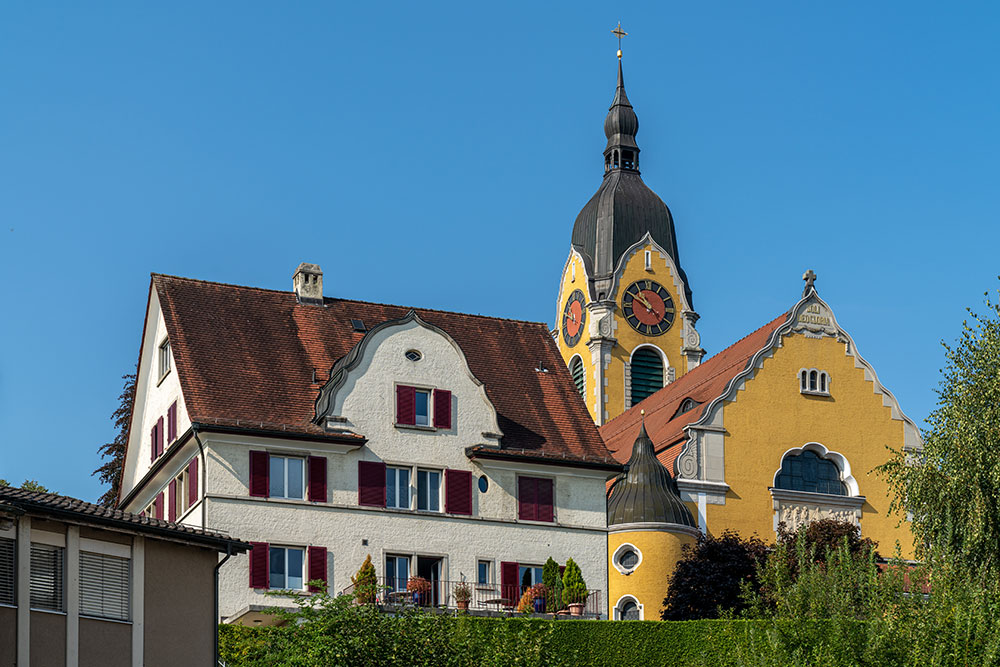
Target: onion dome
[
  {"x": 646, "y": 492},
  {"x": 624, "y": 209}
]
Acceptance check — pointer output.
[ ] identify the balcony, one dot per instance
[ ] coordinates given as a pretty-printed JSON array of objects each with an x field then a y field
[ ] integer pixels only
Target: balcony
[{"x": 391, "y": 594}]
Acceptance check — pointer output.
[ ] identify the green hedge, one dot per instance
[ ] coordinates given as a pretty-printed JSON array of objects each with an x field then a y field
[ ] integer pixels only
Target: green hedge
[{"x": 447, "y": 640}]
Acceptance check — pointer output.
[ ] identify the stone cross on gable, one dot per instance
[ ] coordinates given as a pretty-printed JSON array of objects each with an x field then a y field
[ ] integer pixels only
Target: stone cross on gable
[{"x": 810, "y": 278}]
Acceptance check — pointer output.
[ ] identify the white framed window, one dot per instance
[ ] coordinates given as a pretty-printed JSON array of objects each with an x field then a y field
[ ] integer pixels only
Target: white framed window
[
  {"x": 529, "y": 575},
  {"x": 287, "y": 477},
  {"x": 397, "y": 487},
  {"x": 181, "y": 496},
  {"x": 814, "y": 381},
  {"x": 422, "y": 407},
  {"x": 484, "y": 573},
  {"x": 626, "y": 558},
  {"x": 104, "y": 586},
  {"x": 649, "y": 260},
  {"x": 628, "y": 609},
  {"x": 164, "y": 357},
  {"x": 7, "y": 574},
  {"x": 397, "y": 572},
  {"x": 286, "y": 568},
  {"x": 429, "y": 490},
  {"x": 47, "y": 582}
]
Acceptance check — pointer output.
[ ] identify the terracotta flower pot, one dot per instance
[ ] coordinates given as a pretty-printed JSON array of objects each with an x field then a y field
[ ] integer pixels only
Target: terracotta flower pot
[
  {"x": 576, "y": 609},
  {"x": 463, "y": 605}
]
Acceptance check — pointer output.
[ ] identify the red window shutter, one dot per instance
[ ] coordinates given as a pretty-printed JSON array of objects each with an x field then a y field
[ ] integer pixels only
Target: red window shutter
[
  {"x": 152, "y": 444},
  {"x": 158, "y": 506},
  {"x": 258, "y": 565},
  {"x": 317, "y": 566},
  {"x": 545, "y": 511},
  {"x": 172, "y": 500},
  {"x": 458, "y": 491},
  {"x": 172, "y": 422},
  {"x": 317, "y": 479},
  {"x": 371, "y": 483},
  {"x": 527, "y": 498},
  {"x": 259, "y": 471},
  {"x": 406, "y": 405},
  {"x": 193, "y": 481},
  {"x": 159, "y": 436},
  {"x": 509, "y": 582},
  {"x": 442, "y": 408}
]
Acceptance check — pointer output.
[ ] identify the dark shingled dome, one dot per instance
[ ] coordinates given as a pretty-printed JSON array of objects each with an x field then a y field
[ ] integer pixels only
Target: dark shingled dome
[
  {"x": 646, "y": 492},
  {"x": 624, "y": 209}
]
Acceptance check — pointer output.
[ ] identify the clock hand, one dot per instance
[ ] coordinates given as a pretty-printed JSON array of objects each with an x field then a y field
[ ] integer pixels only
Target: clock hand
[{"x": 646, "y": 303}]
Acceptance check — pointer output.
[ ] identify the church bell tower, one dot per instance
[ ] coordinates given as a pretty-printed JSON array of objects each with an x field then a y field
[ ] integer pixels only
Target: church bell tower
[{"x": 625, "y": 323}]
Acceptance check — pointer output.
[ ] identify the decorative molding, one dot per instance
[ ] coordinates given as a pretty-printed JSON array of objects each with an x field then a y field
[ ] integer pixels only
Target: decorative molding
[
  {"x": 715, "y": 492},
  {"x": 796, "y": 508},
  {"x": 660, "y": 527}
]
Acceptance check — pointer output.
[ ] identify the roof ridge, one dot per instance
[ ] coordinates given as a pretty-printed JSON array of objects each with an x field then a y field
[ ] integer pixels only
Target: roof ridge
[
  {"x": 344, "y": 299},
  {"x": 699, "y": 380}
]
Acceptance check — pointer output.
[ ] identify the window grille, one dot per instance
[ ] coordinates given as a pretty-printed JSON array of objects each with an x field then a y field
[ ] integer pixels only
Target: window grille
[
  {"x": 579, "y": 377},
  {"x": 628, "y": 560},
  {"x": 104, "y": 586},
  {"x": 647, "y": 373},
  {"x": 629, "y": 611},
  {"x": 808, "y": 472},
  {"x": 47, "y": 577},
  {"x": 7, "y": 585}
]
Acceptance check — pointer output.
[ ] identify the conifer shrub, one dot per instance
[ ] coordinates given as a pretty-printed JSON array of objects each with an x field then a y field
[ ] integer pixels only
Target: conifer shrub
[
  {"x": 553, "y": 585},
  {"x": 365, "y": 583},
  {"x": 574, "y": 587}
]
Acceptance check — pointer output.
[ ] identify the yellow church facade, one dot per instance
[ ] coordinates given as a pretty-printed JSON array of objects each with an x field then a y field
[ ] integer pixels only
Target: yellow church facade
[{"x": 787, "y": 425}]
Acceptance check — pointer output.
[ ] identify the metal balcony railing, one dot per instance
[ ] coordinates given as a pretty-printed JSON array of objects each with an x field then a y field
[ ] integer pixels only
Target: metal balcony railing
[{"x": 492, "y": 599}]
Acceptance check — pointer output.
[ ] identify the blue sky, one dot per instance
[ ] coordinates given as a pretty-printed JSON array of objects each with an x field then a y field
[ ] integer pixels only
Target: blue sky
[{"x": 437, "y": 155}]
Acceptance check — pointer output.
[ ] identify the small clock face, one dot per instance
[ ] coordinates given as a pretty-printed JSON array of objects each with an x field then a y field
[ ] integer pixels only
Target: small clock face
[
  {"x": 573, "y": 319},
  {"x": 648, "y": 307}
]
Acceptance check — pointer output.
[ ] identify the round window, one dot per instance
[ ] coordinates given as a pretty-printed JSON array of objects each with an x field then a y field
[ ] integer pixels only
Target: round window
[
  {"x": 483, "y": 484},
  {"x": 628, "y": 559},
  {"x": 413, "y": 355}
]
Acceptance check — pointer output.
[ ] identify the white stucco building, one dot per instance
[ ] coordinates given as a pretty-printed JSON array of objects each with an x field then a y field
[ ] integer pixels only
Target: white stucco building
[{"x": 447, "y": 446}]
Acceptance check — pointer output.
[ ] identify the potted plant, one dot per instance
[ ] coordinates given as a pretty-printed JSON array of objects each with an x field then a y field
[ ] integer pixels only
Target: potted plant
[
  {"x": 462, "y": 595},
  {"x": 527, "y": 602},
  {"x": 574, "y": 588},
  {"x": 539, "y": 593},
  {"x": 365, "y": 583},
  {"x": 553, "y": 586},
  {"x": 421, "y": 589}
]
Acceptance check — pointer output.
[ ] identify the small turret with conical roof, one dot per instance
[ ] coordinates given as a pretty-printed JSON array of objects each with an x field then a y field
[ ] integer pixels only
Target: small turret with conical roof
[{"x": 648, "y": 527}]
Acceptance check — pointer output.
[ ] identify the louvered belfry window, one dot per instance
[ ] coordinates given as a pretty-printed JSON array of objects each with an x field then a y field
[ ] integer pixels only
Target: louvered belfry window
[
  {"x": 47, "y": 578},
  {"x": 7, "y": 571},
  {"x": 579, "y": 378},
  {"x": 104, "y": 586},
  {"x": 647, "y": 373}
]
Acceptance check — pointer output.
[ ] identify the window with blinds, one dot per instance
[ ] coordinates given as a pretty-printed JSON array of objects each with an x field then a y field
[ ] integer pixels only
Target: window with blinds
[
  {"x": 647, "y": 373},
  {"x": 6, "y": 571},
  {"x": 104, "y": 586},
  {"x": 47, "y": 578},
  {"x": 579, "y": 378}
]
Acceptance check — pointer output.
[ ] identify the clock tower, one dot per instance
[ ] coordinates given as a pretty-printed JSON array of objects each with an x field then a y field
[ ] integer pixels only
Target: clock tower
[{"x": 625, "y": 323}]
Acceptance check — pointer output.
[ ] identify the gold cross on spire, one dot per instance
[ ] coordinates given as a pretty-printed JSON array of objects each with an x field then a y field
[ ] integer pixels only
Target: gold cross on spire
[{"x": 619, "y": 33}]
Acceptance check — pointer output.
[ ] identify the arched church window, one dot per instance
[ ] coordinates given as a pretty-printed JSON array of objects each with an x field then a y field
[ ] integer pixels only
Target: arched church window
[
  {"x": 813, "y": 375},
  {"x": 812, "y": 381},
  {"x": 647, "y": 373},
  {"x": 627, "y": 159},
  {"x": 807, "y": 471},
  {"x": 579, "y": 377},
  {"x": 629, "y": 611}
]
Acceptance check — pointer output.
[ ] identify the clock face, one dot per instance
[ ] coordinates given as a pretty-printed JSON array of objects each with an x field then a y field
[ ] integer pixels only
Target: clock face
[
  {"x": 573, "y": 319},
  {"x": 648, "y": 307}
]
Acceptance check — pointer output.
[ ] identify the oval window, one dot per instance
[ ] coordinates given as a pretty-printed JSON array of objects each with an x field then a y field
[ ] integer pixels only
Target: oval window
[
  {"x": 413, "y": 355},
  {"x": 483, "y": 484}
]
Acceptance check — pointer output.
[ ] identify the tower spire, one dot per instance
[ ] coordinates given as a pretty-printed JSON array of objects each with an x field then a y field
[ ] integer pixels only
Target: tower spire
[{"x": 621, "y": 124}]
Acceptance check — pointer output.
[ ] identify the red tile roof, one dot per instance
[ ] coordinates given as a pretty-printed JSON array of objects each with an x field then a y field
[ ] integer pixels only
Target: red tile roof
[
  {"x": 246, "y": 355},
  {"x": 703, "y": 384}
]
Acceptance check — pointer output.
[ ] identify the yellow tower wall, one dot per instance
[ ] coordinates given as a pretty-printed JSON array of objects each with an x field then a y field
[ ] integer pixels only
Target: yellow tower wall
[
  {"x": 647, "y": 583},
  {"x": 770, "y": 416},
  {"x": 670, "y": 342}
]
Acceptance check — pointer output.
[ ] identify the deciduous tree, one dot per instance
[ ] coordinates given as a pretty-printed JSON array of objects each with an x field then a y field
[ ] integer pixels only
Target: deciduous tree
[{"x": 110, "y": 471}]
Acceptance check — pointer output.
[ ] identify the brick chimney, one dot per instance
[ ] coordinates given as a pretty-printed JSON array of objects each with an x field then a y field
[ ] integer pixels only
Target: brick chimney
[{"x": 308, "y": 284}]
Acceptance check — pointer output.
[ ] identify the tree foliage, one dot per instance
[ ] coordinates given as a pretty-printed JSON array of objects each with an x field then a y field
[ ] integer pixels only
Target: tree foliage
[
  {"x": 823, "y": 536},
  {"x": 365, "y": 582},
  {"x": 709, "y": 575},
  {"x": 553, "y": 584},
  {"x": 28, "y": 485},
  {"x": 952, "y": 488},
  {"x": 574, "y": 587},
  {"x": 110, "y": 471}
]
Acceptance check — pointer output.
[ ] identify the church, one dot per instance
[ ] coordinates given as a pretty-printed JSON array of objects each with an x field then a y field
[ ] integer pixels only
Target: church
[
  {"x": 460, "y": 452},
  {"x": 785, "y": 425}
]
